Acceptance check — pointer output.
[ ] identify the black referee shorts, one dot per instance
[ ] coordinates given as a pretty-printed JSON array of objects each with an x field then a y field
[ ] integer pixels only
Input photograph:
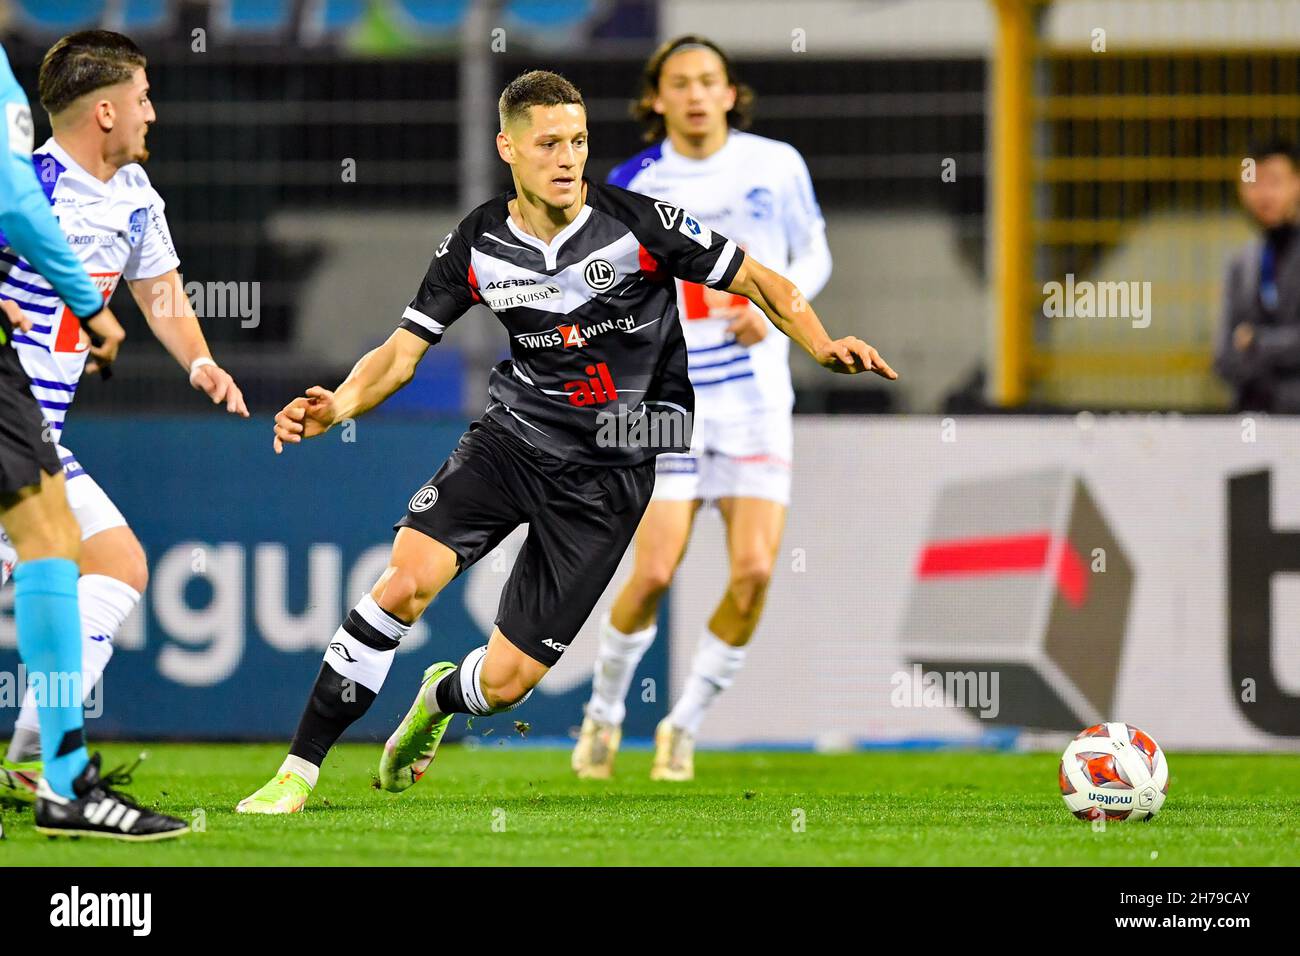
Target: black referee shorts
[
  {"x": 580, "y": 519},
  {"x": 25, "y": 448}
]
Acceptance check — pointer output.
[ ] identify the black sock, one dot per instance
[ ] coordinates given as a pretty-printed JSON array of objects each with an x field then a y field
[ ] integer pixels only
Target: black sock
[
  {"x": 334, "y": 705},
  {"x": 337, "y": 700},
  {"x": 450, "y": 697}
]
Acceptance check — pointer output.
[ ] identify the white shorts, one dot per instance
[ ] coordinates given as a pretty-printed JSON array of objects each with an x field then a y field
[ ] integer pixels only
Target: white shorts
[
  {"x": 93, "y": 509},
  {"x": 748, "y": 458}
]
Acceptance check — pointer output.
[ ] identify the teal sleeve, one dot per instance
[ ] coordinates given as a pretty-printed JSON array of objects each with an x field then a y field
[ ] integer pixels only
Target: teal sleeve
[{"x": 27, "y": 223}]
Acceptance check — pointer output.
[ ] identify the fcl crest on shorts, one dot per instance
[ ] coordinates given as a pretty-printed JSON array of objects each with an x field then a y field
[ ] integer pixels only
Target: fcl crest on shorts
[{"x": 135, "y": 232}]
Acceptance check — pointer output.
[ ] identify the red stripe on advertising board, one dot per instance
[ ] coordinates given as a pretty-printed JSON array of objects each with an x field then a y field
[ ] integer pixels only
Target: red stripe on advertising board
[{"x": 1004, "y": 555}]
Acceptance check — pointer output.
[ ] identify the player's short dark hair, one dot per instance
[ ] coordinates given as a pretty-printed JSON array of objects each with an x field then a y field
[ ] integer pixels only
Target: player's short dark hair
[
  {"x": 643, "y": 107},
  {"x": 536, "y": 88},
  {"x": 83, "y": 62},
  {"x": 1263, "y": 149}
]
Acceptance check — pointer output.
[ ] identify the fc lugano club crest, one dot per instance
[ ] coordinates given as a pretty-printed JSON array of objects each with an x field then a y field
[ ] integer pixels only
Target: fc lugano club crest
[
  {"x": 424, "y": 499},
  {"x": 135, "y": 230},
  {"x": 600, "y": 274}
]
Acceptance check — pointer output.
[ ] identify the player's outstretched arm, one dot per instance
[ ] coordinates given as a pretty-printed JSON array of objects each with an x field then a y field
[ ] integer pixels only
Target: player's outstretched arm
[
  {"x": 171, "y": 318},
  {"x": 783, "y": 303},
  {"x": 378, "y": 374}
]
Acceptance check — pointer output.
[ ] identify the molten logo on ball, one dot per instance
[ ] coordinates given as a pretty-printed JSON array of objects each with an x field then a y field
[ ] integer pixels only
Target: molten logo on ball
[{"x": 1114, "y": 772}]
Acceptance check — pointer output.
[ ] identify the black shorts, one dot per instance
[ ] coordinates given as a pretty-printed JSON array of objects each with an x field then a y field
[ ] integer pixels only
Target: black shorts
[
  {"x": 26, "y": 445},
  {"x": 580, "y": 519}
]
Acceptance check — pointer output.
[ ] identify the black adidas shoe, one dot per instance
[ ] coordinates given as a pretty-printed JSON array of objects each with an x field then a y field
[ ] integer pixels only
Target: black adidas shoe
[{"x": 100, "y": 811}]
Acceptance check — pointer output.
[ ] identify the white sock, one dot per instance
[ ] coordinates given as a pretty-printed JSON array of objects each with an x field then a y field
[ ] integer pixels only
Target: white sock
[
  {"x": 471, "y": 688},
  {"x": 615, "y": 667},
  {"x": 24, "y": 745},
  {"x": 303, "y": 768},
  {"x": 467, "y": 674},
  {"x": 361, "y": 651},
  {"x": 714, "y": 669},
  {"x": 104, "y": 603},
  {"x": 357, "y": 660}
]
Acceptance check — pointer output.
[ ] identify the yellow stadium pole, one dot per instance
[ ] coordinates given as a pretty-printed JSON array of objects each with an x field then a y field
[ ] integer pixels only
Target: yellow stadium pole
[{"x": 1009, "y": 180}]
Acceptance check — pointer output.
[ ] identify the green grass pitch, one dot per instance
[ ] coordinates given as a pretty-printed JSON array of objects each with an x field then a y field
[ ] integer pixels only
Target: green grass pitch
[{"x": 519, "y": 805}]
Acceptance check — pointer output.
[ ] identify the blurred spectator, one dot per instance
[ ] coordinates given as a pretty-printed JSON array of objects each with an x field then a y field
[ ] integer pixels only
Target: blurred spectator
[{"x": 1258, "y": 349}]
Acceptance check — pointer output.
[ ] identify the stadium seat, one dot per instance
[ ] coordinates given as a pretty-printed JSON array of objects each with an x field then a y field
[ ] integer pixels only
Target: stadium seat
[
  {"x": 41, "y": 16},
  {"x": 338, "y": 15},
  {"x": 143, "y": 15},
  {"x": 550, "y": 14},
  {"x": 434, "y": 16},
  {"x": 257, "y": 16}
]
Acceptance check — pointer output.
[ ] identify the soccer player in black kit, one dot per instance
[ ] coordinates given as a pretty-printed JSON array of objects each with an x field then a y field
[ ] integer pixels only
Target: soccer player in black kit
[{"x": 581, "y": 275}]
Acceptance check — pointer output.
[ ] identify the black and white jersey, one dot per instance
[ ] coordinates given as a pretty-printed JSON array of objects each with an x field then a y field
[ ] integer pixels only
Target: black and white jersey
[{"x": 595, "y": 341}]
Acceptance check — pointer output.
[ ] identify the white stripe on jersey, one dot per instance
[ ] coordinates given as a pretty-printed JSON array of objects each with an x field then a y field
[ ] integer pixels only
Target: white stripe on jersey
[
  {"x": 422, "y": 320},
  {"x": 511, "y": 245},
  {"x": 724, "y": 260},
  {"x": 559, "y": 294},
  {"x": 525, "y": 421},
  {"x": 551, "y": 250}
]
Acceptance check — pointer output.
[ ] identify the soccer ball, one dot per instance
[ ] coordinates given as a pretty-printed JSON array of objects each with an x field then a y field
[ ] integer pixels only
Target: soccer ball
[{"x": 1114, "y": 772}]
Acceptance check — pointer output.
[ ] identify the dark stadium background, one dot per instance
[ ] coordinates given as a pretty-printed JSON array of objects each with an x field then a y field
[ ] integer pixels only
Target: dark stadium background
[{"x": 259, "y": 123}]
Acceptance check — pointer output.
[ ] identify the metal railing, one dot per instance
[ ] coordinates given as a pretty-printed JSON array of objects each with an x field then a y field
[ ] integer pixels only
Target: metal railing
[{"x": 1120, "y": 163}]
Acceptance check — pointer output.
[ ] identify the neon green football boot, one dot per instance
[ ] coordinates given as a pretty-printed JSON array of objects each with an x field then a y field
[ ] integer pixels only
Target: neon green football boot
[
  {"x": 18, "y": 780},
  {"x": 411, "y": 748},
  {"x": 284, "y": 793}
]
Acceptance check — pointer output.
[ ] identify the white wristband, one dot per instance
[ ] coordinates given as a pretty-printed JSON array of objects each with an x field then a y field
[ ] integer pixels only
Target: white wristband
[{"x": 198, "y": 363}]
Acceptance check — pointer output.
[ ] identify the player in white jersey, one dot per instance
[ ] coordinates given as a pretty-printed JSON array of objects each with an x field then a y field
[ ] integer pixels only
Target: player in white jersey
[
  {"x": 758, "y": 192},
  {"x": 94, "y": 87}
]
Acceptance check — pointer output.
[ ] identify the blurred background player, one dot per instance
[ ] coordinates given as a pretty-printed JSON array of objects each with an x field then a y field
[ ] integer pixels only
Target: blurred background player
[
  {"x": 757, "y": 191},
  {"x": 94, "y": 87},
  {"x": 71, "y": 797}
]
